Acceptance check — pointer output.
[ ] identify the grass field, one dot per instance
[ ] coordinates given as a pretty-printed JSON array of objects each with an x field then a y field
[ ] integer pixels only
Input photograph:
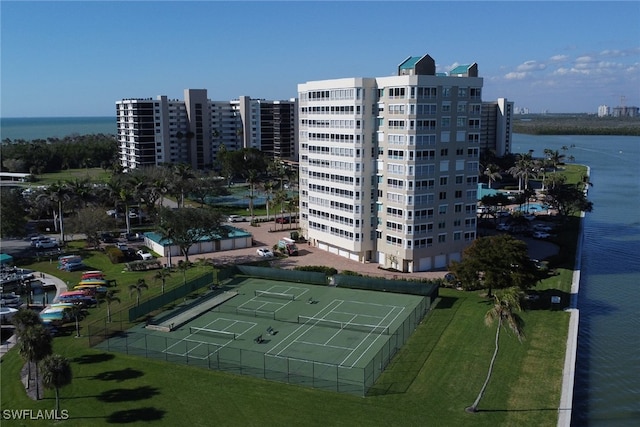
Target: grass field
[{"x": 430, "y": 382}]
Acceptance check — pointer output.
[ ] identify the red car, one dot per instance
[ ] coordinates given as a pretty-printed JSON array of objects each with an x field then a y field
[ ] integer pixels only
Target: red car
[{"x": 283, "y": 220}]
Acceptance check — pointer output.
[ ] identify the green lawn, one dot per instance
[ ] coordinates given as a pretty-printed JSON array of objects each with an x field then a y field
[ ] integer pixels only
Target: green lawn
[
  {"x": 430, "y": 382},
  {"x": 92, "y": 174}
]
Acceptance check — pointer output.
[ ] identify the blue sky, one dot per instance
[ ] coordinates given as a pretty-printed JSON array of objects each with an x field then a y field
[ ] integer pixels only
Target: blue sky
[{"x": 77, "y": 58}]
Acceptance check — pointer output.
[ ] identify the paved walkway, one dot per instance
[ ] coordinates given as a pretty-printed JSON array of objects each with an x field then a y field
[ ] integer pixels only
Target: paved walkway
[
  {"x": 267, "y": 234},
  {"x": 61, "y": 286}
]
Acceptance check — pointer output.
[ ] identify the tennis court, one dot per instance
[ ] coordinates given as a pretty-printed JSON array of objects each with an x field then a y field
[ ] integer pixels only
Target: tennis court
[{"x": 320, "y": 336}]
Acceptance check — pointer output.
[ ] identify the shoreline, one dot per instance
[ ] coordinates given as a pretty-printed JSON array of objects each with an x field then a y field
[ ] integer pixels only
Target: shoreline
[{"x": 565, "y": 409}]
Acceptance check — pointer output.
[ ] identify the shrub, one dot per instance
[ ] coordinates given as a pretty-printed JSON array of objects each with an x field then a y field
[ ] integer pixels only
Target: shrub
[
  {"x": 150, "y": 264},
  {"x": 329, "y": 271},
  {"x": 115, "y": 255}
]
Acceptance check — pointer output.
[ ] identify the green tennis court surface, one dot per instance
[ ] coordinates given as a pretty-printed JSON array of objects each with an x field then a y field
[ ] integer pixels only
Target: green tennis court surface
[{"x": 320, "y": 336}]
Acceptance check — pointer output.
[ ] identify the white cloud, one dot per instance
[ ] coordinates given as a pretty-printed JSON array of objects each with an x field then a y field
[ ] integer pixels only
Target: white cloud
[
  {"x": 585, "y": 59},
  {"x": 516, "y": 75},
  {"x": 531, "y": 66},
  {"x": 559, "y": 58}
]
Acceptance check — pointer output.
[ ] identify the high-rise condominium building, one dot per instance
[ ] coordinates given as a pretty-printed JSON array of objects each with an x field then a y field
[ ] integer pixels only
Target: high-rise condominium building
[
  {"x": 389, "y": 165},
  {"x": 496, "y": 127},
  {"x": 191, "y": 131}
]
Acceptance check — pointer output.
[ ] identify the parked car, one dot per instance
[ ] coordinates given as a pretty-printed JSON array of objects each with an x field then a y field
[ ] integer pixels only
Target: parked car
[
  {"x": 541, "y": 235},
  {"x": 36, "y": 239},
  {"x": 265, "y": 252},
  {"x": 47, "y": 244},
  {"x": 144, "y": 255},
  {"x": 542, "y": 227},
  {"x": 283, "y": 220},
  {"x": 236, "y": 218},
  {"x": 122, "y": 246}
]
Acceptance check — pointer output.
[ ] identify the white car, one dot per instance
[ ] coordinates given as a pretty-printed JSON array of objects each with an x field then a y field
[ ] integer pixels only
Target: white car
[
  {"x": 236, "y": 218},
  {"x": 542, "y": 227},
  {"x": 541, "y": 235},
  {"x": 144, "y": 255},
  {"x": 47, "y": 244},
  {"x": 265, "y": 252}
]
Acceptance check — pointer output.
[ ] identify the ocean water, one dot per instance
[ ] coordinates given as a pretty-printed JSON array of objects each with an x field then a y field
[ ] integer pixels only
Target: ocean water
[
  {"x": 607, "y": 383},
  {"x": 30, "y": 128}
]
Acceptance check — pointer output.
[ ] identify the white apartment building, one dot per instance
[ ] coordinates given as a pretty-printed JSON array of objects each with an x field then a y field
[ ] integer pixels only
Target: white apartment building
[
  {"x": 191, "y": 131},
  {"x": 496, "y": 133},
  {"x": 389, "y": 165}
]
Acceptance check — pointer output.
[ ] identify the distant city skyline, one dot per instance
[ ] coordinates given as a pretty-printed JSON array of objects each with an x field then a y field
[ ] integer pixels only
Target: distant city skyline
[{"x": 78, "y": 58}]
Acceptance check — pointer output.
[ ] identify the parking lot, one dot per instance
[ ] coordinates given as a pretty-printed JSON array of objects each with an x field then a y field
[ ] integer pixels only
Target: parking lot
[{"x": 267, "y": 234}]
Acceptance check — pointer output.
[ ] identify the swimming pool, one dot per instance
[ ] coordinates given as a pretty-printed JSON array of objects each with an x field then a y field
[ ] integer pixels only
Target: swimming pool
[{"x": 533, "y": 207}]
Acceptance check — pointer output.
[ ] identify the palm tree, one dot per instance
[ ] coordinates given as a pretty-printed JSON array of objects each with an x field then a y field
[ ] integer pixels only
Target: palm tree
[
  {"x": 183, "y": 266},
  {"x": 57, "y": 193},
  {"x": 555, "y": 158},
  {"x": 56, "y": 373},
  {"x": 279, "y": 199},
  {"x": 24, "y": 319},
  {"x": 76, "y": 313},
  {"x": 109, "y": 297},
  {"x": 35, "y": 344},
  {"x": 162, "y": 276},
  {"x": 252, "y": 179},
  {"x": 492, "y": 172},
  {"x": 166, "y": 236},
  {"x": 523, "y": 170},
  {"x": 183, "y": 175},
  {"x": 268, "y": 191},
  {"x": 137, "y": 288},
  {"x": 505, "y": 305},
  {"x": 80, "y": 191}
]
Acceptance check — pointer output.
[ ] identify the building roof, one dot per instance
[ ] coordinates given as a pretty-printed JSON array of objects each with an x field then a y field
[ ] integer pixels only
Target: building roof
[
  {"x": 234, "y": 233},
  {"x": 460, "y": 69},
  {"x": 410, "y": 62}
]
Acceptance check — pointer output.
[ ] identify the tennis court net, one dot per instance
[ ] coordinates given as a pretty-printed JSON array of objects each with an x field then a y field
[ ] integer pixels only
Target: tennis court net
[
  {"x": 212, "y": 332},
  {"x": 278, "y": 295},
  {"x": 360, "y": 327}
]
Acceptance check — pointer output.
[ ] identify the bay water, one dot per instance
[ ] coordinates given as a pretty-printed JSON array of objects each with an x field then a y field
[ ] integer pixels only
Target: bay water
[
  {"x": 30, "y": 128},
  {"x": 607, "y": 382}
]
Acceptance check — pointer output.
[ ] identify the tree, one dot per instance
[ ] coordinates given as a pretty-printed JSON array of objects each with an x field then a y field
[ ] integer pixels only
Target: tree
[
  {"x": 109, "y": 297},
  {"x": 569, "y": 199},
  {"x": 505, "y": 305},
  {"x": 24, "y": 319},
  {"x": 34, "y": 344},
  {"x": 91, "y": 222},
  {"x": 12, "y": 211},
  {"x": 162, "y": 275},
  {"x": 495, "y": 262},
  {"x": 76, "y": 313},
  {"x": 492, "y": 172},
  {"x": 183, "y": 176},
  {"x": 56, "y": 373},
  {"x": 268, "y": 193},
  {"x": 494, "y": 203},
  {"x": 183, "y": 266},
  {"x": 57, "y": 194},
  {"x": 523, "y": 169},
  {"x": 555, "y": 158},
  {"x": 187, "y": 226},
  {"x": 140, "y": 285}
]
